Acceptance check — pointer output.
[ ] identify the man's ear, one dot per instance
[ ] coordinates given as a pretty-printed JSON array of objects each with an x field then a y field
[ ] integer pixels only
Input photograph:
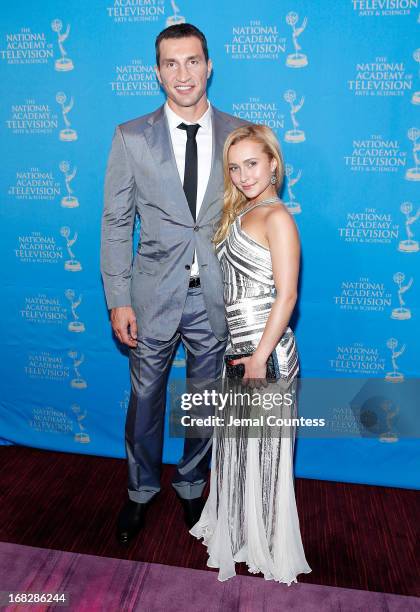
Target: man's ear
[
  {"x": 157, "y": 72},
  {"x": 209, "y": 68}
]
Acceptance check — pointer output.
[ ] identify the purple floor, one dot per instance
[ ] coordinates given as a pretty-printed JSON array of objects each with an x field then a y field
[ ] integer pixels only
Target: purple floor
[
  {"x": 101, "y": 583},
  {"x": 355, "y": 536}
]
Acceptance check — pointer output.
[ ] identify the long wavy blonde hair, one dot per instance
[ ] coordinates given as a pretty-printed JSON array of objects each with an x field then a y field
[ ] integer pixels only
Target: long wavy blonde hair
[{"x": 233, "y": 199}]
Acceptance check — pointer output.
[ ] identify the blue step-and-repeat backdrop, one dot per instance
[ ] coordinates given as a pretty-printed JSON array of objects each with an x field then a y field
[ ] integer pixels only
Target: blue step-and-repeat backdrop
[{"x": 337, "y": 80}]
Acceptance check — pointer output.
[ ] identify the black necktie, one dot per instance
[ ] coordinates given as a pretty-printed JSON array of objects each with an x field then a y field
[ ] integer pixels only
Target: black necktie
[{"x": 191, "y": 166}]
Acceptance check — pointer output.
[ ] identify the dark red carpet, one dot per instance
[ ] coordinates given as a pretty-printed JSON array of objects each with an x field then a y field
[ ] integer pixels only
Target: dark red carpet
[{"x": 355, "y": 536}]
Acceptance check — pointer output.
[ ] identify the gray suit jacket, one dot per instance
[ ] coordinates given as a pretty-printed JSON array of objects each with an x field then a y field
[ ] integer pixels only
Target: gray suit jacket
[{"x": 142, "y": 176}]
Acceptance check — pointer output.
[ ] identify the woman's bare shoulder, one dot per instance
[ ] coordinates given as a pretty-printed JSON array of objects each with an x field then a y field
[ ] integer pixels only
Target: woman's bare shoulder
[{"x": 278, "y": 216}]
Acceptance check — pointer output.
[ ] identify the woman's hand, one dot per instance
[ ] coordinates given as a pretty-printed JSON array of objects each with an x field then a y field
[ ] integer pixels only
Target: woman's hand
[{"x": 255, "y": 371}]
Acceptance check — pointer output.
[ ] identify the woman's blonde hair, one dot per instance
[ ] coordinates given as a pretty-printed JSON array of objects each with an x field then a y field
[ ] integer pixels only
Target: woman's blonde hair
[{"x": 233, "y": 199}]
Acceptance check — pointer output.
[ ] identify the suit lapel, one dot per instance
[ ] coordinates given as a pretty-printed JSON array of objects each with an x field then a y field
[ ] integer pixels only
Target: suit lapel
[
  {"x": 215, "y": 183},
  {"x": 160, "y": 144}
]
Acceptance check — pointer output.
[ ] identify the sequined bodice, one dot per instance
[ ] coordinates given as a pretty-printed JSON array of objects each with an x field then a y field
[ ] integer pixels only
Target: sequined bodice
[{"x": 248, "y": 286}]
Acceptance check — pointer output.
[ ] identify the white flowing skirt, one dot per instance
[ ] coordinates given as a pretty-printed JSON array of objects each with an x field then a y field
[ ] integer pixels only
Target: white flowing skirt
[{"x": 251, "y": 515}]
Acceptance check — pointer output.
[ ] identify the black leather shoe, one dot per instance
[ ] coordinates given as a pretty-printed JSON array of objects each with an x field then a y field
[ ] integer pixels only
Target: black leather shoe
[
  {"x": 130, "y": 521},
  {"x": 192, "y": 510}
]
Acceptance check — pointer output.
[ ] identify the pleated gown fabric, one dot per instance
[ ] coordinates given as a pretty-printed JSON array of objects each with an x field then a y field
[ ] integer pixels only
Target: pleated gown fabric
[{"x": 251, "y": 515}]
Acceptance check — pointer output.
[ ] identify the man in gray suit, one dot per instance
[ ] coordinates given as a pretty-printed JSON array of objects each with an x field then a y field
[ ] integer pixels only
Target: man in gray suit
[{"x": 167, "y": 167}]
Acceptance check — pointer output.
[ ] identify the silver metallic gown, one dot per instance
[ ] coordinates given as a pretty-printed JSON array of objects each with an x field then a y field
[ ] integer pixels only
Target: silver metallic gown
[{"x": 250, "y": 515}]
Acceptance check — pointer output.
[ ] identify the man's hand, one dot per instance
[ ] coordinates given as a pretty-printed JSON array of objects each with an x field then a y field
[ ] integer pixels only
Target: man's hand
[{"x": 124, "y": 324}]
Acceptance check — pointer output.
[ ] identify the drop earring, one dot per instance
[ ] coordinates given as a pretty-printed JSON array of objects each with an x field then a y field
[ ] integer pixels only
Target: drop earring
[{"x": 273, "y": 179}]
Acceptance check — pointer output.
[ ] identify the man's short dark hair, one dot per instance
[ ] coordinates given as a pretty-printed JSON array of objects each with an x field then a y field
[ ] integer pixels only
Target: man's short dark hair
[{"x": 181, "y": 30}]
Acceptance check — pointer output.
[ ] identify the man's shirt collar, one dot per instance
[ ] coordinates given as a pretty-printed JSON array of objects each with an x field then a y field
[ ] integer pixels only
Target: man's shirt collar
[{"x": 174, "y": 120}]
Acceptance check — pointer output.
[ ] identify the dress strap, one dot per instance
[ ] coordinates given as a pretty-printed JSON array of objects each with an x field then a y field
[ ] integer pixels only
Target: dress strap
[{"x": 262, "y": 203}]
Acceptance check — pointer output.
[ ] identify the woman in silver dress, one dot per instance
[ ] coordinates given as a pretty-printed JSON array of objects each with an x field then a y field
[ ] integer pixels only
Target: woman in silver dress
[{"x": 251, "y": 515}]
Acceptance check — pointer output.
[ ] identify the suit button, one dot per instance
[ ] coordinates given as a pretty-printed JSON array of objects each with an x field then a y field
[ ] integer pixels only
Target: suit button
[
  {"x": 187, "y": 267},
  {"x": 196, "y": 228}
]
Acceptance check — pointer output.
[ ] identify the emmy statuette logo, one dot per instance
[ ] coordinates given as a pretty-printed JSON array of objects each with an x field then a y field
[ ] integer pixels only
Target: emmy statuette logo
[
  {"x": 71, "y": 265},
  {"x": 296, "y": 59},
  {"x": 413, "y": 174},
  {"x": 76, "y": 325},
  {"x": 125, "y": 400},
  {"x": 401, "y": 313},
  {"x": 64, "y": 63},
  {"x": 174, "y": 19},
  {"x": 294, "y": 135},
  {"x": 410, "y": 245},
  {"x": 395, "y": 376},
  {"x": 68, "y": 201},
  {"x": 81, "y": 436},
  {"x": 293, "y": 206},
  {"x": 67, "y": 134},
  {"x": 390, "y": 414},
  {"x": 77, "y": 382}
]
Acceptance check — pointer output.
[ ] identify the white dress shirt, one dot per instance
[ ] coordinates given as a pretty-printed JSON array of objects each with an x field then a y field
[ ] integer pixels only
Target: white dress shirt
[{"x": 204, "y": 141}]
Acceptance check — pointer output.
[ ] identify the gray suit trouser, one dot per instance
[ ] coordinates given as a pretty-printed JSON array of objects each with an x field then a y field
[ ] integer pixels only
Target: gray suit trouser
[{"x": 150, "y": 363}]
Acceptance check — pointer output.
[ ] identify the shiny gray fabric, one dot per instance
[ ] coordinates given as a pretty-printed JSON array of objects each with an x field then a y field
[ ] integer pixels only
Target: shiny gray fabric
[
  {"x": 149, "y": 367},
  {"x": 142, "y": 177}
]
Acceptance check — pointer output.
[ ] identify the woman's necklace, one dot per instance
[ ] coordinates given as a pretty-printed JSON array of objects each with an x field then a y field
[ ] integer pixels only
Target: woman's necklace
[{"x": 267, "y": 201}]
